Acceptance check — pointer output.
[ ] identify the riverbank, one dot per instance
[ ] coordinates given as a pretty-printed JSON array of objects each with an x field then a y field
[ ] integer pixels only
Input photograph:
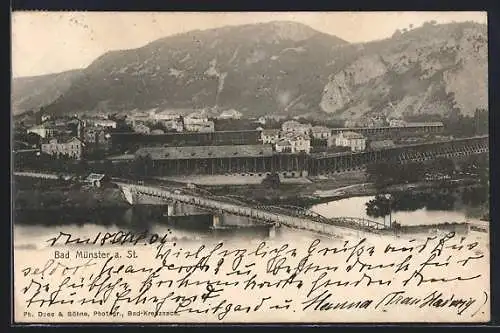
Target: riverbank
[
  {"x": 294, "y": 193},
  {"x": 323, "y": 189},
  {"x": 33, "y": 193}
]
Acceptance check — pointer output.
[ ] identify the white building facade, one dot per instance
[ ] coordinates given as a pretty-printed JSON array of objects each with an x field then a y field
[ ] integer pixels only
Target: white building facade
[
  {"x": 270, "y": 136},
  {"x": 321, "y": 132},
  {"x": 106, "y": 123},
  {"x": 71, "y": 148},
  {"x": 296, "y": 127},
  {"x": 293, "y": 143},
  {"x": 355, "y": 141},
  {"x": 230, "y": 114},
  {"x": 42, "y": 131}
]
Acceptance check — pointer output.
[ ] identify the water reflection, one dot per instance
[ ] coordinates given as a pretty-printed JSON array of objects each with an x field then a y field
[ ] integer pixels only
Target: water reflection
[
  {"x": 140, "y": 218},
  {"x": 427, "y": 207},
  {"x": 439, "y": 200},
  {"x": 133, "y": 219}
]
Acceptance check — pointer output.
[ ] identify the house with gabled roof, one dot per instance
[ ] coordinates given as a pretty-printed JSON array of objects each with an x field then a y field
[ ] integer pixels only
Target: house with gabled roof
[
  {"x": 356, "y": 141},
  {"x": 71, "y": 148},
  {"x": 96, "y": 179}
]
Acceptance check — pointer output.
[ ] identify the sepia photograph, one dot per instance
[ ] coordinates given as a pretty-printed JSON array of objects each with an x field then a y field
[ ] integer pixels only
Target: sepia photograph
[{"x": 250, "y": 167}]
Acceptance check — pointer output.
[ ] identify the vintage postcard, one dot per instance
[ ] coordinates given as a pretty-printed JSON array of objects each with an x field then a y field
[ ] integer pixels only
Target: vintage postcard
[{"x": 301, "y": 167}]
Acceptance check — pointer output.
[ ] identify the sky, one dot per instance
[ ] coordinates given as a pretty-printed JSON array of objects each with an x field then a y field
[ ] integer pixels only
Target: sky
[{"x": 52, "y": 42}]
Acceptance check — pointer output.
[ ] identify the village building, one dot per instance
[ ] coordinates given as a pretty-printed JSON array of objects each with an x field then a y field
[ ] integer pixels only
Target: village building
[
  {"x": 283, "y": 145},
  {"x": 396, "y": 122},
  {"x": 209, "y": 127},
  {"x": 173, "y": 125},
  {"x": 96, "y": 179},
  {"x": 370, "y": 122},
  {"x": 199, "y": 115},
  {"x": 71, "y": 148},
  {"x": 141, "y": 128},
  {"x": 321, "y": 132},
  {"x": 106, "y": 123},
  {"x": 198, "y": 122},
  {"x": 42, "y": 130},
  {"x": 276, "y": 117},
  {"x": 137, "y": 117},
  {"x": 96, "y": 138},
  {"x": 355, "y": 141},
  {"x": 300, "y": 143},
  {"x": 293, "y": 143},
  {"x": 230, "y": 114},
  {"x": 151, "y": 112},
  {"x": 296, "y": 127},
  {"x": 270, "y": 136},
  {"x": 166, "y": 115},
  {"x": 261, "y": 120},
  {"x": 45, "y": 117},
  {"x": 381, "y": 144},
  {"x": 199, "y": 125},
  {"x": 102, "y": 115}
]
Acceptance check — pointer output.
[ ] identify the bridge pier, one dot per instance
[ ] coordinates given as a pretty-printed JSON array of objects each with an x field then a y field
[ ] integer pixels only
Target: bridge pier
[
  {"x": 217, "y": 220},
  {"x": 273, "y": 231}
]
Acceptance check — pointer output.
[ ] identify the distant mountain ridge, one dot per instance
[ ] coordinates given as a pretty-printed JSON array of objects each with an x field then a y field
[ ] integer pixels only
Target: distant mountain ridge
[
  {"x": 31, "y": 92},
  {"x": 286, "y": 68}
]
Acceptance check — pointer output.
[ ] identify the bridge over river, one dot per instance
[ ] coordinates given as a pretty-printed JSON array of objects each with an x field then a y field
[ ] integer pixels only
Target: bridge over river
[{"x": 294, "y": 217}]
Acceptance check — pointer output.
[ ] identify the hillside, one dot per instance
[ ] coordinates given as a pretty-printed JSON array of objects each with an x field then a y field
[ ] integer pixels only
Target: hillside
[
  {"x": 31, "y": 93},
  {"x": 285, "y": 67},
  {"x": 433, "y": 69}
]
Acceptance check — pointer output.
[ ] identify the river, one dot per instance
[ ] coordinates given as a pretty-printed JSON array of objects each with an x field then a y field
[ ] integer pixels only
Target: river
[
  {"x": 356, "y": 207},
  {"x": 33, "y": 229}
]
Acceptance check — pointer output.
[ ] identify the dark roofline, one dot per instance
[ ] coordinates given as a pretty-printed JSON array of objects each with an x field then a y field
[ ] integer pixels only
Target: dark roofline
[
  {"x": 263, "y": 151},
  {"x": 352, "y": 129},
  {"x": 186, "y": 133}
]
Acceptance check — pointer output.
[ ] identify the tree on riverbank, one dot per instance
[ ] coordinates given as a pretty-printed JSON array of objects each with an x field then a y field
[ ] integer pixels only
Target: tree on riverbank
[
  {"x": 380, "y": 206},
  {"x": 272, "y": 181}
]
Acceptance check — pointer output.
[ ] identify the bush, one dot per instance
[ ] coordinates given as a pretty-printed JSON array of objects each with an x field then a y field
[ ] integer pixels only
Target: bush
[{"x": 272, "y": 180}]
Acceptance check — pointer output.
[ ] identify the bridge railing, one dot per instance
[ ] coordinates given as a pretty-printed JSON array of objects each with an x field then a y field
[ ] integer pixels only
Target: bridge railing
[{"x": 269, "y": 215}]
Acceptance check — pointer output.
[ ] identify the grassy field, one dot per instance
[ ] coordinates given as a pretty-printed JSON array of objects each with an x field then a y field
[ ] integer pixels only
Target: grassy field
[{"x": 289, "y": 193}]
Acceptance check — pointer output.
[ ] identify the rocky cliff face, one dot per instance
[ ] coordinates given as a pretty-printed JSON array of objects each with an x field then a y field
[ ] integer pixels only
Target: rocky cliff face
[
  {"x": 289, "y": 68},
  {"x": 429, "y": 70},
  {"x": 469, "y": 82}
]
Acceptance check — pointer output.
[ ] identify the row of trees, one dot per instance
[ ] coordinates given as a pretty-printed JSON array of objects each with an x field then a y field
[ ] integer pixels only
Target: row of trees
[
  {"x": 44, "y": 162},
  {"x": 384, "y": 174},
  {"x": 140, "y": 167},
  {"x": 457, "y": 124},
  {"x": 382, "y": 205}
]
